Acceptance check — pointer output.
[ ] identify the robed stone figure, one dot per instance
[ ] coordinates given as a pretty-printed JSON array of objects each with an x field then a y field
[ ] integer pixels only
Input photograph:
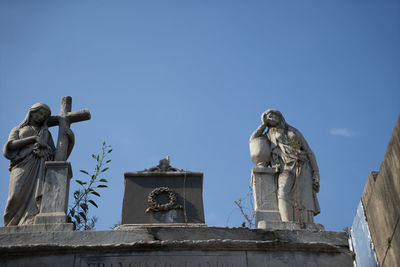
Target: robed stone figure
[
  {"x": 298, "y": 173},
  {"x": 29, "y": 146}
]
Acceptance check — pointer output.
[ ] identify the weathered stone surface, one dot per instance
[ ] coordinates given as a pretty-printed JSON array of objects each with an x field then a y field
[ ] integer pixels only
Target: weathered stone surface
[
  {"x": 54, "y": 203},
  {"x": 207, "y": 233},
  {"x": 263, "y": 183},
  {"x": 176, "y": 246},
  {"x": 66, "y": 139},
  {"x": 182, "y": 233},
  {"x": 293, "y": 191},
  {"x": 381, "y": 201},
  {"x": 298, "y": 258},
  {"x": 29, "y": 146},
  {"x": 260, "y": 151},
  {"x": 55, "y": 259},
  {"x": 269, "y": 225},
  {"x": 183, "y": 189},
  {"x": 34, "y": 228},
  {"x": 267, "y": 216},
  {"x": 184, "y": 258},
  {"x": 172, "y": 259}
]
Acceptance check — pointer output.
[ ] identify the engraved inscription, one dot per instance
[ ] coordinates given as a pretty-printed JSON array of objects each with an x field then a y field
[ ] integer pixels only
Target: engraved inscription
[
  {"x": 150, "y": 259},
  {"x": 162, "y": 264}
]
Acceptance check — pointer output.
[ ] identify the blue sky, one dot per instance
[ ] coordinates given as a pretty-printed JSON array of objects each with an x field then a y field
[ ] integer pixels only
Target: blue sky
[{"x": 190, "y": 79}]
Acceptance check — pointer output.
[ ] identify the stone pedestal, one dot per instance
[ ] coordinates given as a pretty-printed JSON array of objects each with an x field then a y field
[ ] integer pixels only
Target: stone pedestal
[
  {"x": 180, "y": 246},
  {"x": 163, "y": 197},
  {"x": 263, "y": 183},
  {"x": 54, "y": 203}
]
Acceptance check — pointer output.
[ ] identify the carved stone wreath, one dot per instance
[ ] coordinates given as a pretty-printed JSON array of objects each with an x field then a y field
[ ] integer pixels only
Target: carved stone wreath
[{"x": 155, "y": 206}]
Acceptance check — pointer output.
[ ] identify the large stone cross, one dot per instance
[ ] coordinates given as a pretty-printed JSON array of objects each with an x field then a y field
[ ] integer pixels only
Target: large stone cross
[
  {"x": 54, "y": 204},
  {"x": 64, "y": 120}
]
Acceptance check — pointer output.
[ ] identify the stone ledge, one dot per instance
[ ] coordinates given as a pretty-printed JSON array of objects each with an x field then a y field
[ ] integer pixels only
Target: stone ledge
[
  {"x": 270, "y": 225},
  {"x": 213, "y": 244},
  {"x": 127, "y": 227},
  {"x": 148, "y": 234},
  {"x": 162, "y": 173},
  {"x": 176, "y": 246},
  {"x": 60, "y": 164}
]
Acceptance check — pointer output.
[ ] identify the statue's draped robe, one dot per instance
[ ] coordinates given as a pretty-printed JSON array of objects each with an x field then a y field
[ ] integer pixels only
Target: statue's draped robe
[
  {"x": 295, "y": 174},
  {"x": 27, "y": 167}
]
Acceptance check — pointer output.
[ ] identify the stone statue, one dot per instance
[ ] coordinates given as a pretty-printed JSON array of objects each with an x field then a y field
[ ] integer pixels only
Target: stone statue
[
  {"x": 163, "y": 166},
  {"x": 297, "y": 169},
  {"x": 30, "y": 148}
]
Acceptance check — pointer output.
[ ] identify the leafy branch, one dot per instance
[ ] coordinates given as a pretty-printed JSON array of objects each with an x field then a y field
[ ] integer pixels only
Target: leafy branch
[{"x": 78, "y": 213}]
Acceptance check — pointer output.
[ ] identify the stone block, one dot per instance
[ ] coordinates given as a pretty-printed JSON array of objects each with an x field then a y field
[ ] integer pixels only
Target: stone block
[
  {"x": 298, "y": 258},
  {"x": 54, "y": 203},
  {"x": 267, "y": 216},
  {"x": 146, "y": 191},
  {"x": 166, "y": 259},
  {"x": 38, "y": 260},
  {"x": 263, "y": 183}
]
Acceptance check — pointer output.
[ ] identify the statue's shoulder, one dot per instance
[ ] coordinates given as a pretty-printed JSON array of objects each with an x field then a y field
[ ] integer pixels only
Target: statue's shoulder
[
  {"x": 15, "y": 128},
  {"x": 14, "y": 133},
  {"x": 294, "y": 131}
]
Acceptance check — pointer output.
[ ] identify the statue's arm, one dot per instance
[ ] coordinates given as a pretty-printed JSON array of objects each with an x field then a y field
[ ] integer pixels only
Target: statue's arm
[
  {"x": 312, "y": 159},
  {"x": 14, "y": 143},
  {"x": 258, "y": 132},
  {"x": 18, "y": 144}
]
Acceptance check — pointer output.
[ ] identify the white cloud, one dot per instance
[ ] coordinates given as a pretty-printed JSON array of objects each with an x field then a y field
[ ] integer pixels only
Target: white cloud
[{"x": 342, "y": 132}]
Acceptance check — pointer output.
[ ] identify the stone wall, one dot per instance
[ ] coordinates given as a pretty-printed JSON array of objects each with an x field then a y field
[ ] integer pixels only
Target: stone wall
[{"x": 381, "y": 201}]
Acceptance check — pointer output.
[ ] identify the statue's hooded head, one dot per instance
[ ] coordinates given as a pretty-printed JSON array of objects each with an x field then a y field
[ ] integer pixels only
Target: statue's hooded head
[
  {"x": 278, "y": 115},
  {"x": 34, "y": 108}
]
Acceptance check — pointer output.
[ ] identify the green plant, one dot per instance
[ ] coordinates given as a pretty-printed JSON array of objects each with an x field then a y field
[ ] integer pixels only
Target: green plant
[{"x": 78, "y": 213}]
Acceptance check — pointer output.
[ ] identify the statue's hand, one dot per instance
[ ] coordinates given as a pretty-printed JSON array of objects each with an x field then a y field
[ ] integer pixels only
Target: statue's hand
[
  {"x": 316, "y": 182},
  {"x": 264, "y": 122},
  {"x": 41, "y": 141},
  {"x": 277, "y": 167}
]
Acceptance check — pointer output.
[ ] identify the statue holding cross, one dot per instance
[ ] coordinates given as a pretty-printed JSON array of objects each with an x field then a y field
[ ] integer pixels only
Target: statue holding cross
[{"x": 39, "y": 178}]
